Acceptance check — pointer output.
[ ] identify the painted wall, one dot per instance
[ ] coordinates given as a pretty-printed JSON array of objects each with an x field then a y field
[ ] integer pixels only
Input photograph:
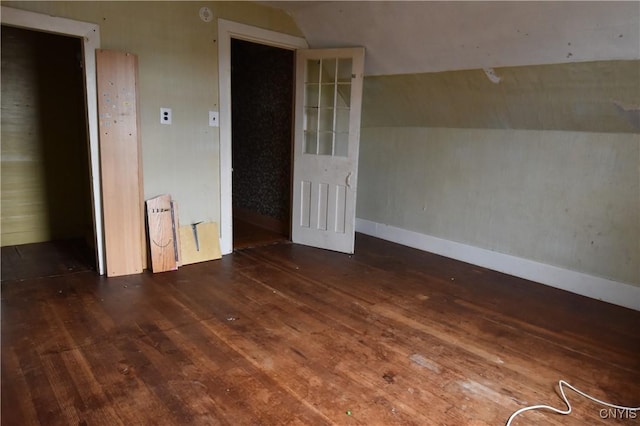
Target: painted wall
[
  {"x": 177, "y": 54},
  {"x": 601, "y": 96},
  {"x": 568, "y": 199},
  {"x": 542, "y": 165}
]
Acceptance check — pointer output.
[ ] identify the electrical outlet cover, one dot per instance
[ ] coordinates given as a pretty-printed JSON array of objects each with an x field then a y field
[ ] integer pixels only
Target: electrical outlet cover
[{"x": 165, "y": 115}]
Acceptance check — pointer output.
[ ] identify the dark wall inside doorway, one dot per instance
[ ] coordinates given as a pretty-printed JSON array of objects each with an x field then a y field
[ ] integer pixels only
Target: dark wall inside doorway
[
  {"x": 262, "y": 99},
  {"x": 45, "y": 161}
]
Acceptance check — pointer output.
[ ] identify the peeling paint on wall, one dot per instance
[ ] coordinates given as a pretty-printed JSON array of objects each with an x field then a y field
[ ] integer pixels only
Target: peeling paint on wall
[
  {"x": 630, "y": 112},
  {"x": 492, "y": 76}
]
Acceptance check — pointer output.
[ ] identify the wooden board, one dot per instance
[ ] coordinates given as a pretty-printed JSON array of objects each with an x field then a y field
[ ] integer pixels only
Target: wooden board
[
  {"x": 208, "y": 241},
  {"x": 162, "y": 246},
  {"x": 121, "y": 166},
  {"x": 176, "y": 233}
]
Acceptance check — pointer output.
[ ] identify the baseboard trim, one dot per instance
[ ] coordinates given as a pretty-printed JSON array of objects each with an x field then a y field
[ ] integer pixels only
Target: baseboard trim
[{"x": 598, "y": 288}]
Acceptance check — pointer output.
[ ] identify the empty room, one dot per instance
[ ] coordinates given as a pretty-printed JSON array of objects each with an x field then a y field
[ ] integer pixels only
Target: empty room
[{"x": 320, "y": 213}]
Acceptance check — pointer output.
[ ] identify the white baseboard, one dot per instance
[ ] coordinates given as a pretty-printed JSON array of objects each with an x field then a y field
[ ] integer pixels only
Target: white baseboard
[{"x": 598, "y": 288}]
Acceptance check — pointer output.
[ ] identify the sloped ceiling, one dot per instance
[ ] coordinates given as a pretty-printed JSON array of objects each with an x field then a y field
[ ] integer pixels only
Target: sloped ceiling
[
  {"x": 429, "y": 36},
  {"x": 541, "y": 65}
]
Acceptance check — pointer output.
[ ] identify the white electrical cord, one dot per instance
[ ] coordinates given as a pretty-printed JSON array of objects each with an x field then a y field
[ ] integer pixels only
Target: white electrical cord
[{"x": 566, "y": 401}]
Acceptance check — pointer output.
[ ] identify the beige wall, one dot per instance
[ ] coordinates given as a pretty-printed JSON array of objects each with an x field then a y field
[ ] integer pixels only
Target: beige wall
[
  {"x": 589, "y": 96},
  {"x": 564, "y": 198},
  {"x": 177, "y": 54},
  {"x": 544, "y": 165}
]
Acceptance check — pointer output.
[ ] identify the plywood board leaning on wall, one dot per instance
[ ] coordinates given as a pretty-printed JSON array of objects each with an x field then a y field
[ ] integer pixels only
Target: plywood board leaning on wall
[
  {"x": 199, "y": 242},
  {"x": 161, "y": 230},
  {"x": 120, "y": 161}
]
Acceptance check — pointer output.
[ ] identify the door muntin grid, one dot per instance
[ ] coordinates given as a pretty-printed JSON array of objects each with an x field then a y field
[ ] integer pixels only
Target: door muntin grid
[{"x": 327, "y": 106}]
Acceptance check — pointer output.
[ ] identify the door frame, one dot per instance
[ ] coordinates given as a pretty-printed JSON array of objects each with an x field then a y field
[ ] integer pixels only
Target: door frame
[
  {"x": 226, "y": 31},
  {"x": 90, "y": 37}
]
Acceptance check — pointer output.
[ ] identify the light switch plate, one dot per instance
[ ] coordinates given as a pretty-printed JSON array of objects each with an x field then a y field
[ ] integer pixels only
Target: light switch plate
[{"x": 213, "y": 118}]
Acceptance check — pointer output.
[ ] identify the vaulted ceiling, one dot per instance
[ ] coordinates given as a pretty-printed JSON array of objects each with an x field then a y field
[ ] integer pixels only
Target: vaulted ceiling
[
  {"x": 543, "y": 65},
  {"x": 430, "y": 36}
]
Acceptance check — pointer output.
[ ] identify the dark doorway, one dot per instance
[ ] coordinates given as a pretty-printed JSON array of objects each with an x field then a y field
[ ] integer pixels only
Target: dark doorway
[
  {"x": 262, "y": 119},
  {"x": 46, "y": 194}
]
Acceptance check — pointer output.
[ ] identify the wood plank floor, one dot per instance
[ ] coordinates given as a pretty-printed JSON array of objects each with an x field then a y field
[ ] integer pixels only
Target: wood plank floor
[
  {"x": 286, "y": 334},
  {"x": 248, "y": 235},
  {"x": 50, "y": 258}
]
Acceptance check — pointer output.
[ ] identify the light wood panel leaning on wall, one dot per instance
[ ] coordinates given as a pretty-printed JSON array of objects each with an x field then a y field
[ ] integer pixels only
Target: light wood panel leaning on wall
[{"x": 121, "y": 163}]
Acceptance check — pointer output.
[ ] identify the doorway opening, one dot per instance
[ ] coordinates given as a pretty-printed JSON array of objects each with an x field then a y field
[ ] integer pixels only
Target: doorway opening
[
  {"x": 262, "y": 92},
  {"x": 47, "y": 215}
]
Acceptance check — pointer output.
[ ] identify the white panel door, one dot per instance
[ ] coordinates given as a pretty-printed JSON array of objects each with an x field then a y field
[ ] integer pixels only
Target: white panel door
[{"x": 326, "y": 141}]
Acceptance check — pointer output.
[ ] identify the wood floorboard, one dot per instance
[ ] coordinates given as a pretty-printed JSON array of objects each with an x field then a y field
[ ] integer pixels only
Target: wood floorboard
[
  {"x": 250, "y": 235},
  {"x": 50, "y": 258},
  {"x": 290, "y": 335}
]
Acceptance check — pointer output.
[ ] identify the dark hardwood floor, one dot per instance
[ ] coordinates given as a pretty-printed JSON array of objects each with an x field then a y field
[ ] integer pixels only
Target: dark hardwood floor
[
  {"x": 50, "y": 258},
  {"x": 286, "y": 334},
  {"x": 249, "y": 235}
]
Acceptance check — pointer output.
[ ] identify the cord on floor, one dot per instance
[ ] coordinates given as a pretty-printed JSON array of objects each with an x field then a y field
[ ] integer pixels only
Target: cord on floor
[{"x": 562, "y": 383}]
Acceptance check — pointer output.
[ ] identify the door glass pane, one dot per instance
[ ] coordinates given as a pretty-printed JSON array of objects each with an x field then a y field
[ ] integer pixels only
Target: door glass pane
[
  {"x": 342, "y": 145},
  {"x": 313, "y": 71},
  {"x": 310, "y": 142},
  {"x": 325, "y": 143},
  {"x": 327, "y": 92},
  {"x": 326, "y": 119},
  {"x": 344, "y": 70},
  {"x": 328, "y": 70},
  {"x": 312, "y": 94},
  {"x": 344, "y": 95},
  {"x": 342, "y": 120},
  {"x": 311, "y": 119}
]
